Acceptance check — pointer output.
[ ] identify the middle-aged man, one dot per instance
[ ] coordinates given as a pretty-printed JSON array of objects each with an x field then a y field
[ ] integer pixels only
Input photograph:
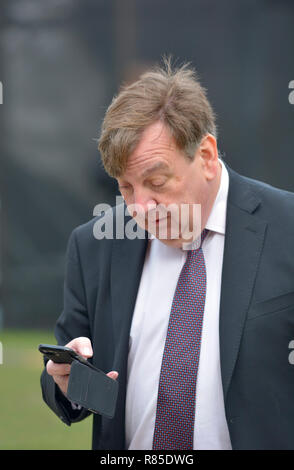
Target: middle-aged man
[{"x": 195, "y": 327}]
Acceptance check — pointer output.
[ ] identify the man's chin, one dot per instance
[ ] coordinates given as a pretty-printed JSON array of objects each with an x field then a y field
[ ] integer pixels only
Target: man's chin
[
  {"x": 169, "y": 233},
  {"x": 176, "y": 242}
]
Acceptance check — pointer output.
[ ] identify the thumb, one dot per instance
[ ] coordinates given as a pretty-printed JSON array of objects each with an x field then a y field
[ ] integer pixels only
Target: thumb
[
  {"x": 113, "y": 374},
  {"x": 82, "y": 346}
]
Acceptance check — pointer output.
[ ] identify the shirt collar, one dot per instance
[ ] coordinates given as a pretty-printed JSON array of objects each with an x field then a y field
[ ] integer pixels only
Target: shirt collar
[{"x": 216, "y": 221}]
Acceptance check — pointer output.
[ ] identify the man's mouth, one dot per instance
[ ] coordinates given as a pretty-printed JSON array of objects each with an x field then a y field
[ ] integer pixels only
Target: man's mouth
[
  {"x": 159, "y": 219},
  {"x": 156, "y": 220}
]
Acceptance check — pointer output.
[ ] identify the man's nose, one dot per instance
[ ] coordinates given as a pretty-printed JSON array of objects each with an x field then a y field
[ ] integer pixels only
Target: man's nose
[{"x": 144, "y": 202}]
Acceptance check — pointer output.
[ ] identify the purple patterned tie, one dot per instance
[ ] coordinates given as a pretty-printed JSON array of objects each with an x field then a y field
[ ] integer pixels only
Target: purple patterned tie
[{"x": 175, "y": 414}]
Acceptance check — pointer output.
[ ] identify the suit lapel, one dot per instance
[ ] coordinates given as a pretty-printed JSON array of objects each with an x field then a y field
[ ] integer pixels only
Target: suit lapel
[
  {"x": 127, "y": 264},
  {"x": 243, "y": 246}
]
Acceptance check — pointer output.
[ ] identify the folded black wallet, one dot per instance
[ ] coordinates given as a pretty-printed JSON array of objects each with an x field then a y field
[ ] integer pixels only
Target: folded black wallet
[{"x": 92, "y": 389}]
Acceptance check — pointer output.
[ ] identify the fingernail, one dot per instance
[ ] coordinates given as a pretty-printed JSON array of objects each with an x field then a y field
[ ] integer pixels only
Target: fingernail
[
  {"x": 87, "y": 352},
  {"x": 114, "y": 374}
]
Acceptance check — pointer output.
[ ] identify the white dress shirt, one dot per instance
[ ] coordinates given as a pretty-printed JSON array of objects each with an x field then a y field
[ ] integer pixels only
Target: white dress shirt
[{"x": 160, "y": 275}]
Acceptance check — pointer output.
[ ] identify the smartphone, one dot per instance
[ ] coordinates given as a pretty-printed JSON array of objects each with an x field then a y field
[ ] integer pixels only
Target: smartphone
[
  {"x": 94, "y": 391},
  {"x": 63, "y": 355}
]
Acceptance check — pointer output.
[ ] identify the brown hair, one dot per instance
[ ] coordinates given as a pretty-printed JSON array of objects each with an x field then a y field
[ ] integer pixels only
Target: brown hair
[{"x": 173, "y": 96}]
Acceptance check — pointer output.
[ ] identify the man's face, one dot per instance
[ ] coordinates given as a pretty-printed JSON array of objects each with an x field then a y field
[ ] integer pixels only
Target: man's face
[{"x": 161, "y": 186}]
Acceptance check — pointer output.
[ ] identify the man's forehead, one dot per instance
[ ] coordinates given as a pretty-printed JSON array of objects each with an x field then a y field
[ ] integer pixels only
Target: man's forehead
[
  {"x": 153, "y": 151},
  {"x": 147, "y": 169},
  {"x": 160, "y": 165},
  {"x": 156, "y": 134},
  {"x": 156, "y": 139}
]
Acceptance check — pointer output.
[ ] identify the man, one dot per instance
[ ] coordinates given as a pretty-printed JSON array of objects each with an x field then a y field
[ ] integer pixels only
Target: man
[{"x": 196, "y": 334}]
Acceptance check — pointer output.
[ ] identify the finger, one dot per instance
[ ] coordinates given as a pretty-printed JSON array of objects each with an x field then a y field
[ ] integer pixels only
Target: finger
[
  {"x": 82, "y": 346},
  {"x": 57, "y": 369},
  {"x": 62, "y": 382},
  {"x": 113, "y": 374}
]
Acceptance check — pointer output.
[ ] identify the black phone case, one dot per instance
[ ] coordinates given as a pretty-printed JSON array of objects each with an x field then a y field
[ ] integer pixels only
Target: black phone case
[
  {"x": 59, "y": 358},
  {"x": 92, "y": 389},
  {"x": 56, "y": 354},
  {"x": 62, "y": 356}
]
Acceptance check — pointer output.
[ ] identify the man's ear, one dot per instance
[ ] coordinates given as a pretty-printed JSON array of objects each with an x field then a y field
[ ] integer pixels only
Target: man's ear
[{"x": 209, "y": 156}]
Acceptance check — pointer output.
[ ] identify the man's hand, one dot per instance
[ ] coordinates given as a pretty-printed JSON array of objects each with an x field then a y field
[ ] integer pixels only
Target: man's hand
[{"x": 60, "y": 372}]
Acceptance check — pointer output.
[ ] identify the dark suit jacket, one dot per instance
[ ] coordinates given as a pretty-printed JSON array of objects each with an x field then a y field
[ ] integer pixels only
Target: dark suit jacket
[{"x": 256, "y": 316}]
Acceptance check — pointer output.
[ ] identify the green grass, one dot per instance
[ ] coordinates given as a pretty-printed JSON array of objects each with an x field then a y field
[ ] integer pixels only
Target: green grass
[{"x": 25, "y": 420}]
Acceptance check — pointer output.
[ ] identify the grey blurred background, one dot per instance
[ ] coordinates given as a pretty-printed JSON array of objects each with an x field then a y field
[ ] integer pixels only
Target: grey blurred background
[{"x": 61, "y": 61}]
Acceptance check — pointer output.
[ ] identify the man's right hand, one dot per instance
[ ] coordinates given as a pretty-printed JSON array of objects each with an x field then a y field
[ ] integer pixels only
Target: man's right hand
[{"x": 60, "y": 372}]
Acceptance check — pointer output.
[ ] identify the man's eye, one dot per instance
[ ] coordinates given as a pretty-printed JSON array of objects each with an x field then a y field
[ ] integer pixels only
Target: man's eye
[{"x": 158, "y": 183}]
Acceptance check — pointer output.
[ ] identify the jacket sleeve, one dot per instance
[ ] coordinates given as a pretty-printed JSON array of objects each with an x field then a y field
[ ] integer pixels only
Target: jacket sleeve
[{"x": 72, "y": 323}]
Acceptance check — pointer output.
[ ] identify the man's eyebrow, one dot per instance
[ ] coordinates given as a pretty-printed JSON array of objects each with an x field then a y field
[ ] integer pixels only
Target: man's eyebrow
[{"x": 155, "y": 167}]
